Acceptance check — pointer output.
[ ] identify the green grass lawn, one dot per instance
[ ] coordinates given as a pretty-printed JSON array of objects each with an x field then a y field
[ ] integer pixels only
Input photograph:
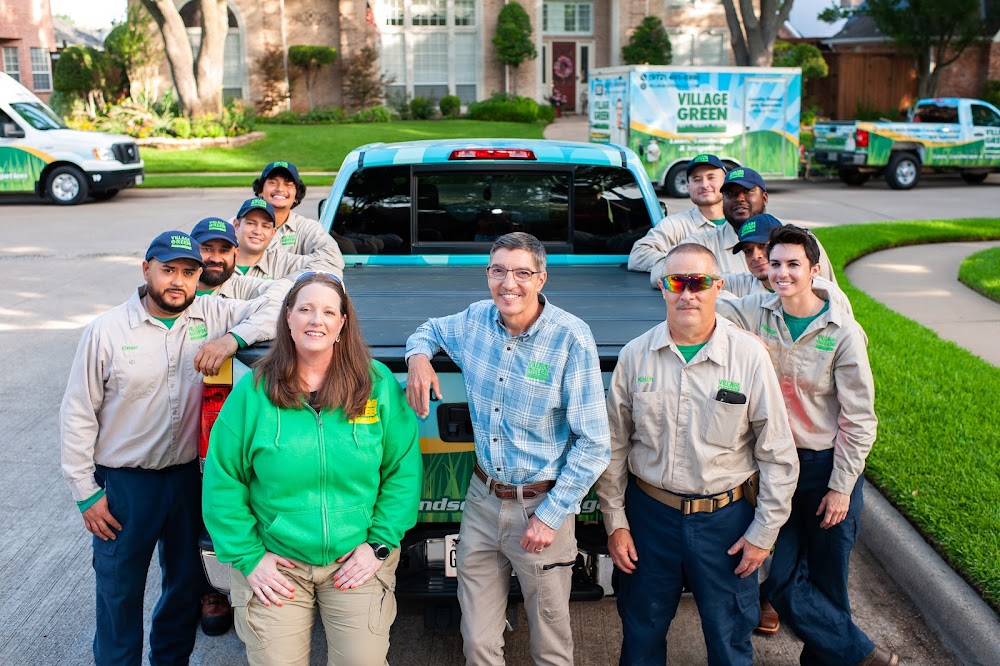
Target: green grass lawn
[
  {"x": 937, "y": 455},
  {"x": 319, "y": 147},
  {"x": 981, "y": 272}
]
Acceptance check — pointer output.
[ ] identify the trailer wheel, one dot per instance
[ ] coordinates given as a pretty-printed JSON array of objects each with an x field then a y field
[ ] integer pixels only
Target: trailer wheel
[
  {"x": 853, "y": 177},
  {"x": 903, "y": 171},
  {"x": 974, "y": 178},
  {"x": 66, "y": 185},
  {"x": 676, "y": 182}
]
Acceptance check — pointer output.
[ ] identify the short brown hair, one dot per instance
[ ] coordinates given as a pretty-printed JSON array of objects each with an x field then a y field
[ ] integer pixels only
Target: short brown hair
[
  {"x": 789, "y": 234},
  {"x": 519, "y": 240}
]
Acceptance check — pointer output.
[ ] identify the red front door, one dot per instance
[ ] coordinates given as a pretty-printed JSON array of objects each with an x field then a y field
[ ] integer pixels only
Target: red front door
[{"x": 564, "y": 72}]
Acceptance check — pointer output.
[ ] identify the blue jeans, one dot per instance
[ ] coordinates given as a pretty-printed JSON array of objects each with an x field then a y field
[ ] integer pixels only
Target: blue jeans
[
  {"x": 676, "y": 550},
  {"x": 807, "y": 584},
  {"x": 156, "y": 508}
]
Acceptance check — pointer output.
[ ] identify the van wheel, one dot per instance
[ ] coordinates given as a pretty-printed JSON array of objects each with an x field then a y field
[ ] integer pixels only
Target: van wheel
[
  {"x": 66, "y": 186},
  {"x": 853, "y": 177},
  {"x": 676, "y": 182},
  {"x": 903, "y": 171},
  {"x": 974, "y": 178},
  {"x": 104, "y": 195}
]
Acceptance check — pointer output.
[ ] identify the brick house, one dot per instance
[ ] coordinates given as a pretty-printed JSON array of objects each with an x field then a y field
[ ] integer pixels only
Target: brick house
[
  {"x": 438, "y": 47},
  {"x": 26, "y": 41}
]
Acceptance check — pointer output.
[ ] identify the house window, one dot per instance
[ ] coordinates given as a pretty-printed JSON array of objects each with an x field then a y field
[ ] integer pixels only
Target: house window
[
  {"x": 431, "y": 48},
  {"x": 699, "y": 47},
  {"x": 232, "y": 60},
  {"x": 10, "y": 64},
  {"x": 568, "y": 18},
  {"x": 41, "y": 69}
]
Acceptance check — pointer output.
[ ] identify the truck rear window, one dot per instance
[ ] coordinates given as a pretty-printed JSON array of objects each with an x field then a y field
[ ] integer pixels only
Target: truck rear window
[
  {"x": 934, "y": 113},
  {"x": 582, "y": 209}
]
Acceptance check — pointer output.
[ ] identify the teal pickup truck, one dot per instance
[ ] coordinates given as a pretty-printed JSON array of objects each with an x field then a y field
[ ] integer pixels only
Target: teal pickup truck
[
  {"x": 946, "y": 134},
  {"x": 428, "y": 213}
]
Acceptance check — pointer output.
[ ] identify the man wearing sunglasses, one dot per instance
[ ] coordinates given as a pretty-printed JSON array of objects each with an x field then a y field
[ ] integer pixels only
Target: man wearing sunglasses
[
  {"x": 702, "y": 472},
  {"x": 536, "y": 399},
  {"x": 705, "y": 175}
]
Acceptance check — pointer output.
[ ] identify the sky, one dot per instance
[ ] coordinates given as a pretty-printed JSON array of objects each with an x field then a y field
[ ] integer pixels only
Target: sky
[{"x": 91, "y": 13}]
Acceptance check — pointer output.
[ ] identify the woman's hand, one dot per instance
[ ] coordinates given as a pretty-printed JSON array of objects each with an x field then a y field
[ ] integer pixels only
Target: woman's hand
[
  {"x": 359, "y": 566},
  {"x": 267, "y": 582}
]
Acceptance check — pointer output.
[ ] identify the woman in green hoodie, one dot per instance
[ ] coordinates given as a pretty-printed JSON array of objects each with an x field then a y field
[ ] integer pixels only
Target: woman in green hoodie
[{"x": 313, "y": 476}]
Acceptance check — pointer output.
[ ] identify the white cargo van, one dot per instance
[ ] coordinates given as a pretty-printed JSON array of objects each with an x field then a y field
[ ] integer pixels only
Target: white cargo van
[{"x": 38, "y": 153}]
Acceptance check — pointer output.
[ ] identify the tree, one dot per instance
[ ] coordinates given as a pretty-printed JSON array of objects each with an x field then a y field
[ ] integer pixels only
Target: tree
[
  {"x": 131, "y": 48},
  {"x": 274, "y": 79},
  {"x": 752, "y": 35},
  {"x": 648, "y": 44},
  {"x": 81, "y": 73},
  {"x": 933, "y": 32},
  {"x": 513, "y": 40},
  {"x": 198, "y": 82},
  {"x": 806, "y": 56},
  {"x": 364, "y": 85},
  {"x": 309, "y": 60}
]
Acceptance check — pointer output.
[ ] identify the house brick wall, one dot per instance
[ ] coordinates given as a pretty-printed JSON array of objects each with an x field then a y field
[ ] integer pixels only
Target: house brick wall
[
  {"x": 25, "y": 24},
  {"x": 965, "y": 76}
]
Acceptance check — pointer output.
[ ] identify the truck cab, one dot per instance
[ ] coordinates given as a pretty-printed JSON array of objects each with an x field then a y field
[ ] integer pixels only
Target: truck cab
[{"x": 427, "y": 214}]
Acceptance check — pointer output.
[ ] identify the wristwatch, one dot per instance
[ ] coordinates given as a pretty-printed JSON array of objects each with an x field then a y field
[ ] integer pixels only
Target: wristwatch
[{"x": 381, "y": 550}]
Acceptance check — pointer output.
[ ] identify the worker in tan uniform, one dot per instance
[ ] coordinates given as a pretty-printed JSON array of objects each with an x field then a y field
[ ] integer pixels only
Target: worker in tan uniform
[
  {"x": 130, "y": 422},
  {"x": 705, "y": 176},
  {"x": 820, "y": 354},
  {"x": 702, "y": 470}
]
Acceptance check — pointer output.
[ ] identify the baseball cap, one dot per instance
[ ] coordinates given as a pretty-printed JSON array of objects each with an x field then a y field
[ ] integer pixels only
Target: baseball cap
[
  {"x": 256, "y": 203},
  {"x": 756, "y": 229},
  {"x": 287, "y": 166},
  {"x": 214, "y": 227},
  {"x": 172, "y": 245},
  {"x": 705, "y": 159},
  {"x": 745, "y": 177}
]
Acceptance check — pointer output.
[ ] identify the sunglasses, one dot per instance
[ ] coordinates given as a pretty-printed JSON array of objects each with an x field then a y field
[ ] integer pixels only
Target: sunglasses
[
  {"x": 676, "y": 282},
  {"x": 307, "y": 274}
]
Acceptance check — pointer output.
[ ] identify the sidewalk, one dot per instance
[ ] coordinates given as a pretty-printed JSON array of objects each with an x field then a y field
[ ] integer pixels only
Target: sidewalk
[{"x": 568, "y": 128}]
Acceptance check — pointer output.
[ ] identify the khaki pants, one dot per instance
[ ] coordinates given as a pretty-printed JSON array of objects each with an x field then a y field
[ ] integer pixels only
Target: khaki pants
[
  {"x": 489, "y": 547},
  {"x": 356, "y": 621}
]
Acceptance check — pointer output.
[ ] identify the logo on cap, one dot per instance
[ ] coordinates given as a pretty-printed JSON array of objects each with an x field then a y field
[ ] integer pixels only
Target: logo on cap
[
  {"x": 701, "y": 158},
  {"x": 217, "y": 225},
  {"x": 258, "y": 203},
  {"x": 181, "y": 242},
  {"x": 748, "y": 228},
  {"x": 735, "y": 173},
  {"x": 275, "y": 165}
]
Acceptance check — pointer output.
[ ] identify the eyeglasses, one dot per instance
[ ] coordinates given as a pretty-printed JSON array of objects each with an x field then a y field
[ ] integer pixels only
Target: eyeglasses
[
  {"x": 499, "y": 273},
  {"x": 307, "y": 274},
  {"x": 676, "y": 282}
]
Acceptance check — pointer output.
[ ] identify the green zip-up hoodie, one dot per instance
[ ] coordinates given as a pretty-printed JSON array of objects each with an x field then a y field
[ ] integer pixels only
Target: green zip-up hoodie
[{"x": 310, "y": 486}]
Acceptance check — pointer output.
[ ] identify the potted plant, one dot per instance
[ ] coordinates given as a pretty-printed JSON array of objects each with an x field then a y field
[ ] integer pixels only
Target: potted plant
[{"x": 558, "y": 100}]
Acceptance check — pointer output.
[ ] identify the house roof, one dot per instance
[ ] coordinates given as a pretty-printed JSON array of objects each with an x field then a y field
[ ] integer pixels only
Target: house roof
[
  {"x": 803, "y": 23},
  {"x": 858, "y": 29},
  {"x": 68, "y": 34}
]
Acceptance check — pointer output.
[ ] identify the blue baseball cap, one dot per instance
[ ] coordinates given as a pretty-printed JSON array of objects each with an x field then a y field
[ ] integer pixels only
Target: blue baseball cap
[
  {"x": 757, "y": 229},
  {"x": 705, "y": 160},
  {"x": 287, "y": 166},
  {"x": 257, "y": 203},
  {"x": 745, "y": 177},
  {"x": 214, "y": 227},
  {"x": 172, "y": 245}
]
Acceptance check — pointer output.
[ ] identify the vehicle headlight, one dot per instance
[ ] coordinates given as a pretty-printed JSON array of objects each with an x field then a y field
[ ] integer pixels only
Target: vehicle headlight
[{"x": 103, "y": 154}]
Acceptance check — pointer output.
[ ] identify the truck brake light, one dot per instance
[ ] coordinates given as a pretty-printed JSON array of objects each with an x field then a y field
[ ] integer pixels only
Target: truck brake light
[
  {"x": 212, "y": 398},
  {"x": 861, "y": 138},
  {"x": 492, "y": 154}
]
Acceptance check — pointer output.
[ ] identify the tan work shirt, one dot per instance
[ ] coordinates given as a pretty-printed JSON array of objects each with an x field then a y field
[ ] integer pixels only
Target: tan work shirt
[
  {"x": 723, "y": 239},
  {"x": 738, "y": 285},
  {"x": 275, "y": 264},
  {"x": 300, "y": 235},
  {"x": 650, "y": 252},
  {"x": 825, "y": 377},
  {"x": 133, "y": 398},
  {"x": 668, "y": 429}
]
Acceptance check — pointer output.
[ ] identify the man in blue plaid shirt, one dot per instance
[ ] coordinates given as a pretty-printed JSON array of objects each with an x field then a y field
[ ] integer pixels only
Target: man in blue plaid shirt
[{"x": 536, "y": 400}]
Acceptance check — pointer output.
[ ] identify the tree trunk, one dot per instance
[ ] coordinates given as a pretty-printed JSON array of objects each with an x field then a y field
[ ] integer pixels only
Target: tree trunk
[
  {"x": 752, "y": 37},
  {"x": 209, "y": 68}
]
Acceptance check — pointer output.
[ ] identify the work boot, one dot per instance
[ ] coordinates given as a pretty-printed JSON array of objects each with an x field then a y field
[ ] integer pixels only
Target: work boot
[
  {"x": 768, "y": 623},
  {"x": 216, "y": 614},
  {"x": 880, "y": 657}
]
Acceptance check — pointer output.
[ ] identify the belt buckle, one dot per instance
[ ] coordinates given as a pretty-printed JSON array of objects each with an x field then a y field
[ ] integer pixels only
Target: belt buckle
[
  {"x": 499, "y": 487},
  {"x": 691, "y": 505}
]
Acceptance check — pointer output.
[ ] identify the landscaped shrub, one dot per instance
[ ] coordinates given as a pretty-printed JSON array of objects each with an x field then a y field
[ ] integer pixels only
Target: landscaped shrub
[
  {"x": 421, "y": 108},
  {"x": 375, "y": 114},
  {"x": 181, "y": 128},
  {"x": 450, "y": 105},
  {"x": 206, "y": 126},
  {"x": 324, "y": 114},
  {"x": 991, "y": 92},
  {"x": 507, "y": 108}
]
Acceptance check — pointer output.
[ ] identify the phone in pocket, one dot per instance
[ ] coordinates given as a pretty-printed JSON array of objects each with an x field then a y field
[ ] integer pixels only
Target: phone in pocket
[{"x": 731, "y": 397}]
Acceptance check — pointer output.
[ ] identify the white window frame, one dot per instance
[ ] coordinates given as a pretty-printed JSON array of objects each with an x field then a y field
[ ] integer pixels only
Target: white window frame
[
  {"x": 12, "y": 69},
  {"x": 559, "y": 5},
  {"x": 45, "y": 61}
]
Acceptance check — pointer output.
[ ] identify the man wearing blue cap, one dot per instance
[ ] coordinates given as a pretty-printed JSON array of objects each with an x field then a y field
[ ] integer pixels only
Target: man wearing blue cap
[
  {"x": 255, "y": 228},
  {"x": 281, "y": 186},
  {"x": 129, "y": 423},
  {"x": 220, "y": 251},
  {"x": 705, "y": 173}
]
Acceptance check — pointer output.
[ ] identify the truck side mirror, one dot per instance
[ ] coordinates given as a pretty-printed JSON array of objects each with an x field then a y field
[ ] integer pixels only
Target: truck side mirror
[
  {"x": 320, "y": 207},
  {"x": 12, "y": 131}
]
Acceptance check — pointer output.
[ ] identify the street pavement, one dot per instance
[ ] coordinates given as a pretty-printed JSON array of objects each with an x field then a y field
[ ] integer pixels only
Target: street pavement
[{"x": 63, "y": 266}]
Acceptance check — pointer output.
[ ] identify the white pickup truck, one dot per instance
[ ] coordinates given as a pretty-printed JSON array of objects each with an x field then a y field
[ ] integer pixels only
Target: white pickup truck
[{"x": 946, "y": 134}]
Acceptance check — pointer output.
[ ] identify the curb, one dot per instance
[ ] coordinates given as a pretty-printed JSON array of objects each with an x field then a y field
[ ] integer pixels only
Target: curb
[{"x": 965, "y": 623}]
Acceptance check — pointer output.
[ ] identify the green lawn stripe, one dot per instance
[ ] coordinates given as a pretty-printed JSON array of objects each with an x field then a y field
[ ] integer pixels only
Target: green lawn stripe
[{"x": 981, "y": 272}]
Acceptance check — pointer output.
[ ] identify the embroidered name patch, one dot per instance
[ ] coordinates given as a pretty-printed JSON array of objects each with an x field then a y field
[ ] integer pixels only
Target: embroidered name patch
[
  {"x": 537, "y": 370},
  {"x": 370, "y": 415},
  {"x": 288, "y": 239},
  {"x": 198, "y": 332},
  {"x": 729, "y": 385},
  {"x": 826, "y": 343},
  {"x": 646, "y": 379},
  {"x": 767, "y": 329}
]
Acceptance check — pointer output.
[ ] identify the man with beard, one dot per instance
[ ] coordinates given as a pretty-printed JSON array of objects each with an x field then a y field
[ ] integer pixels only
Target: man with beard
[
  {"x": 129, "y": 423},
  {"x": 744, "y": 194},
  {"x": 705, "y": 173}
]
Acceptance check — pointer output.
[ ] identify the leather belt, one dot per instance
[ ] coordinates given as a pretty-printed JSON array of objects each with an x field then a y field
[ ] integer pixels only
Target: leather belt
[
  {"x": 509, "y": 490},
  {"x": 689, "y": 505}
]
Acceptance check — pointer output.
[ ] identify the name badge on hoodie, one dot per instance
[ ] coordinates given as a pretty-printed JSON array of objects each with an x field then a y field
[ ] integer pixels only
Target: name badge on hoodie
[{"x": 370, "y": 415}]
